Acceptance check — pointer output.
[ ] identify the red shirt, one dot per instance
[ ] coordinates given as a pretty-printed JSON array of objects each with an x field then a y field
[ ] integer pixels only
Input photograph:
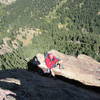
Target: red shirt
[{"x": 51, "y": 62}]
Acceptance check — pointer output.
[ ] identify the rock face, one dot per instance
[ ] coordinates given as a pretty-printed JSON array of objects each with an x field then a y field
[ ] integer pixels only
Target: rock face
[
  {"x": 4, "y": 93},
  {"x": 7, "y": 2},
  {"x": 24, "y": 85},
  {"x": 83, "y": 68}
]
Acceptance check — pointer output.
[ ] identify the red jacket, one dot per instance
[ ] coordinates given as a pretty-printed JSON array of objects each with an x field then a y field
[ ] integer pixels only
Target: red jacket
[{"x": 51, "y": 62}]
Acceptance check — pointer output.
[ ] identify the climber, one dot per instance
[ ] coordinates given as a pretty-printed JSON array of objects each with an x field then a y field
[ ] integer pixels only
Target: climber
[{"x": 51, "y": 62}]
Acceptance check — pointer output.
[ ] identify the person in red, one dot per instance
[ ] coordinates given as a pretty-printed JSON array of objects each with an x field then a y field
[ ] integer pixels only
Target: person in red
[{"x": 51, "y": 61}]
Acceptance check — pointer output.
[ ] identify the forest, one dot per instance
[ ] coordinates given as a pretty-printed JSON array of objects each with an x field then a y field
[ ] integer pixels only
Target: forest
[{"x": 69, "y": 26}]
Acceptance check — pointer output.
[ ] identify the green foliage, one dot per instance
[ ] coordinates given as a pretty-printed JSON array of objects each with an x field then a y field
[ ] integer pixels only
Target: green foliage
[
  {"x": 13, "y": 60},
  {"x": 83, "y": 14},
  {"x": 23, "y": 13},
  {"x": 81, "y": 34},
  {"x": 69, "y": 26}
]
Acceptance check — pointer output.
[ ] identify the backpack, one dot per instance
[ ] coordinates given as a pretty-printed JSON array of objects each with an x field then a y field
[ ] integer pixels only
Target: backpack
[{"x": 35, "y": 61}]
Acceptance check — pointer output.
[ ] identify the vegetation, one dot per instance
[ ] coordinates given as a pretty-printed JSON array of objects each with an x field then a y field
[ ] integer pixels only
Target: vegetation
[{"x": 69, "y": 26}]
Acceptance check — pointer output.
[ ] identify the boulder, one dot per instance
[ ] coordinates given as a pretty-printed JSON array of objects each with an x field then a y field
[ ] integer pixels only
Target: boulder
[
  {"x": 83, "y": 68},
  {"x": 4, "y": 95}
]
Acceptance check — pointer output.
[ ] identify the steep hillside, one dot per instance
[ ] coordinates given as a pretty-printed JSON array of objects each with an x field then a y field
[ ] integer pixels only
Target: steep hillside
[
  {"x": 28, "y": 27},
  {"x": 69, "y": 26}
]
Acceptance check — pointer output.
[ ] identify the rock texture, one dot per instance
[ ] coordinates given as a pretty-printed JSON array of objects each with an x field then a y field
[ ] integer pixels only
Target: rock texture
[
  {"x": 21, "y": 36},
  {"x": 7, "y": 2},
  {"x": 24, "y": 85},
  {"x": 83, "y": 68},
  {"x": 4, "y": 93}
]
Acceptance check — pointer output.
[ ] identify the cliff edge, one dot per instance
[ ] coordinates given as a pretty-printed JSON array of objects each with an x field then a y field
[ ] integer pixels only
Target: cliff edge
[{"x": 83, "y": 68}]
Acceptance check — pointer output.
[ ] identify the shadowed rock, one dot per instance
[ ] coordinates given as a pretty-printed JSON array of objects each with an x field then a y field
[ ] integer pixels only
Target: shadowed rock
[{"x": 24, "y": 85}]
